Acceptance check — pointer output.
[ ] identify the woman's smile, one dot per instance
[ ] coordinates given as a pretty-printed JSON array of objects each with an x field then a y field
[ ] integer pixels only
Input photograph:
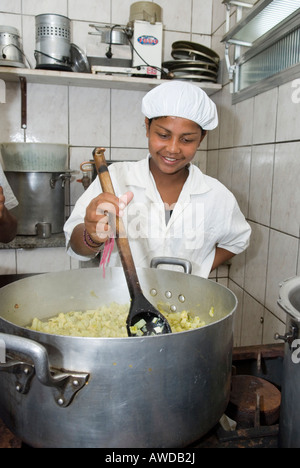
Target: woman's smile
[{"x": 169, "y": 159}]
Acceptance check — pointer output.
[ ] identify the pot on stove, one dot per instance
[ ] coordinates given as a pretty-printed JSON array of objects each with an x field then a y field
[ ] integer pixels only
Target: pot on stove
[{"x": 154, "y": 391}]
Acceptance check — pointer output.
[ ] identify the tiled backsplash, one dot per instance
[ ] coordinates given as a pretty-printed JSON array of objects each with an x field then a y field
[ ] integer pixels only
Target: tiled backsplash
[{"x": 255, "y": 152}]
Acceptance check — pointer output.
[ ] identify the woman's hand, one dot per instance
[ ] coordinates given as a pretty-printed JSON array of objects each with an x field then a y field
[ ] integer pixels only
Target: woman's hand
[
  {"x": 99, "y": 223},
  {"x": 101, "y": 213}
]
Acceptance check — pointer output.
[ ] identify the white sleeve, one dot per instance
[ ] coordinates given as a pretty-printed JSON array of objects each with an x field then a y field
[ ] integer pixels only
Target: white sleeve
[{"x": 236, "y": 237}]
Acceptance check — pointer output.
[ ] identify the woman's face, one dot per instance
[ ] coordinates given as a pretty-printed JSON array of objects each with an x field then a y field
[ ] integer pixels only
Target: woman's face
[{"x": 173, "y": 142}]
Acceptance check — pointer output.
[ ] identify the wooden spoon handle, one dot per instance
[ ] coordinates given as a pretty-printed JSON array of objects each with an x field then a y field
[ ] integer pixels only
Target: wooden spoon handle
[{"x": 121, "y": 235}]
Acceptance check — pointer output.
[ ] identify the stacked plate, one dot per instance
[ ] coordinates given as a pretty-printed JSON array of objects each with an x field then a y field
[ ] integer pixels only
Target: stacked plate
[{"x": 193, "y": 61}]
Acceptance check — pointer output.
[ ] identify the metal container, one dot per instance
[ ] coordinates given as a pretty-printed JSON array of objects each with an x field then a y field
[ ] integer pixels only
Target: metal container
[
  {"x": 41, "y": 197},
  {"x": 44, "y": 157},
  {"x": 114, "y": 36},
  {"x": 37, "y": 173},
  {"x": 154, "y": 391},
  {"x": 289, "y": 424},
  {"x": 53, "y": 42},
  {"x": 145, "y": 11},
  {"x": 11, "y": 52}
]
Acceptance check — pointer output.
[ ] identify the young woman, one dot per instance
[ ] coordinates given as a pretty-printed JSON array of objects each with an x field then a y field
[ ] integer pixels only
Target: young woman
[{"x": 172, "y": 208}]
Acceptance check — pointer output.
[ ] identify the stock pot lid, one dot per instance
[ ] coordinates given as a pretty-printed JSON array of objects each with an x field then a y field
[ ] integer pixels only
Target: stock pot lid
[{"x": 79, "y": 60}]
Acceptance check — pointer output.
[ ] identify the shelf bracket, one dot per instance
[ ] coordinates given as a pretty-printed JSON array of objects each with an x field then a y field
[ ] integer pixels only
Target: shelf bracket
[
  {"x": 23, "y": 84},
  {"x": 230, "y": 68}
]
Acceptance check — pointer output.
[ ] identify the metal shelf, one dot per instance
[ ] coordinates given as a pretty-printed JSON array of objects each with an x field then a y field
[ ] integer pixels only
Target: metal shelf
[{"x": 49, "y": 77}]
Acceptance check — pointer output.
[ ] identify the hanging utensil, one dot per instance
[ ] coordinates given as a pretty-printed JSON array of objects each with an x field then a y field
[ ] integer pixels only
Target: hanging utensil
[{"x": 143, "y": 318}]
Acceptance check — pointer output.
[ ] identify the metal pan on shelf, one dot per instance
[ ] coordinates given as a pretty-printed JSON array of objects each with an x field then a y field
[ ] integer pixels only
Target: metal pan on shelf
[
  {"x": 196, "y": 71},
  {"x": 190, "y": 54},
  {"x": 193, "y": 77},
  {"x": 197, "y": 49},
  {"x": 175, "y": 64}
]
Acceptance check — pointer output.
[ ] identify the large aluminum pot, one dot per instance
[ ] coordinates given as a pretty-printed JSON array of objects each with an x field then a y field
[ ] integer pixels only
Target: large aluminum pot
[
  {"x": 41, "y": 197},
  {"x": 289, "y": 423},
  {"x": 157, "y": 391}
]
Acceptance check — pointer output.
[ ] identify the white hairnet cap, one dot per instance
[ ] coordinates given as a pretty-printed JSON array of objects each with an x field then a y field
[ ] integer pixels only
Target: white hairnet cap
[{"x": 181, "y": 99}]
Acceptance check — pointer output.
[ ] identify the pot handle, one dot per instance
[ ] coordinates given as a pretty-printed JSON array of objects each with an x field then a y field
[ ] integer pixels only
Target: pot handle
[
  {"x": 186, "y": 264},
  {"x": 65, "y": 384}
]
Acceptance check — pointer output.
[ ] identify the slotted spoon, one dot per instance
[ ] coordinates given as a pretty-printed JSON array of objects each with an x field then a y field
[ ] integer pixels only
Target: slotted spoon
[{"x": 143, "y": 318}]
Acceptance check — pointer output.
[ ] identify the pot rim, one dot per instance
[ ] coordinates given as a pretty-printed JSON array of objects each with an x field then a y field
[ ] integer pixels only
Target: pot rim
[{"x": 22, "y": 329}]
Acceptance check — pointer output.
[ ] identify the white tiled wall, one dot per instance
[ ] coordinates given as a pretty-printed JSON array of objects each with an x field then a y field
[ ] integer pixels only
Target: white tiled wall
[
  {"x": 85, "y": 117},
  {"x": 254, "y": 151}
]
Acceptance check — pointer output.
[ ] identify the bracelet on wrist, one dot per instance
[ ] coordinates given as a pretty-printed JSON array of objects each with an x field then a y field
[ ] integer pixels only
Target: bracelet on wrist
[{"x": 90, "y": 243}]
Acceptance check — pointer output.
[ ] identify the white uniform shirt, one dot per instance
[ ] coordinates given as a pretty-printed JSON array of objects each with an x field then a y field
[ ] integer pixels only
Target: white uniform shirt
[
  {"x": 206, "y": 215},
  {"x": 10, "y": 200}
]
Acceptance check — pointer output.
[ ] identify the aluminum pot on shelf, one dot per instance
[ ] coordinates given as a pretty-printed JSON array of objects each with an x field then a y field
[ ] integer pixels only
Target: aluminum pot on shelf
[
  {"x": 53, "y": 42},
  {"x": 11, "y": 51},
  {"x": 154, "y": 391}
]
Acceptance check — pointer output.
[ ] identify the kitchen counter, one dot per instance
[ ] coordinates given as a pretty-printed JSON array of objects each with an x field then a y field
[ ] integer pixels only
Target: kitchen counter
[{"x": 34, "y": 242}]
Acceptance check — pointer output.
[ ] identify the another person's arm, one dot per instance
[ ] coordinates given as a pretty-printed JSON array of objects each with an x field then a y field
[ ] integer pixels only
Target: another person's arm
[{"x": 8, "y": 222}]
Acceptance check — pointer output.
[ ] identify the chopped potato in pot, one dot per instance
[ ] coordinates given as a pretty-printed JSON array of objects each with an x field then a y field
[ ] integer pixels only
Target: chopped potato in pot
[{"x": 106, "y": 321}]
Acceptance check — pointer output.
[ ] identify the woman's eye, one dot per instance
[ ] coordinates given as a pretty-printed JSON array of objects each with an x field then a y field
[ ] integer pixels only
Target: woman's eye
[{"x": 186, "y": 140}]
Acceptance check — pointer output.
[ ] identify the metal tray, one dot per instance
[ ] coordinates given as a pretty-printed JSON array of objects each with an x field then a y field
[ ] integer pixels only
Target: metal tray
[
  {"x": 196, "y": 48},
  {"x": 190, "y": 54},
  {"x": 192, "y": 77},
  {"x": 176, "y": 64}
]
